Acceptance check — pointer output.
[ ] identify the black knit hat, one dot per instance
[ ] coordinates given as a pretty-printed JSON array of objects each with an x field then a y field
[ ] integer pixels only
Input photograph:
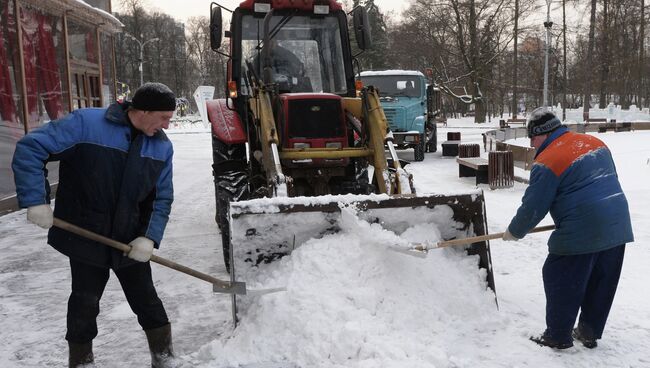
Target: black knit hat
[
  {"x": 154, "y": 97},
  {"x": 542, "y": 121}
]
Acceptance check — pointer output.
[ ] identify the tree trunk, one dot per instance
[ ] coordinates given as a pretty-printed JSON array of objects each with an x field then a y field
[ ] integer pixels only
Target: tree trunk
[
  {"x": 604, "y": 66},
  {"x": 564, "y": 73},
  {"x": 641, "y": 57},
  {"x": 586, "y": 95},
  {"x": 515, "y": 105}
]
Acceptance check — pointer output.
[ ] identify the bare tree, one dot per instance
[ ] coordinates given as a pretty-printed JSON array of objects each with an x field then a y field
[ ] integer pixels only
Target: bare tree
[
  {"x": 208, "y": 66},
  {"x": 586, "y": 95}
]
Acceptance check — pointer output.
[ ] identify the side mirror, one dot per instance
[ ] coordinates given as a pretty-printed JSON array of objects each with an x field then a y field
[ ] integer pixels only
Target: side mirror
[
  {"x": 362, "y": 28},
  {"x": 216, "y": 31}
]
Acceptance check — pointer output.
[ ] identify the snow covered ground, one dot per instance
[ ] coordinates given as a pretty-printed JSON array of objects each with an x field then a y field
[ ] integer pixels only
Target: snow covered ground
[{"x": 349, "y": 300}]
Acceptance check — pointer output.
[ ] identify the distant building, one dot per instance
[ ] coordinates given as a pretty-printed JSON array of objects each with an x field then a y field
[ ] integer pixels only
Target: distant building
[{"x": 56, "y": 56}]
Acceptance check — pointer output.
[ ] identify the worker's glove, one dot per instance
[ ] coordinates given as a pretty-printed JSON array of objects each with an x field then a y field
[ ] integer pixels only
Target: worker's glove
[
  {"x": 40, "y": 215},
  {"x": 141, "y": 249},
  {"x": 507, "y": 236}
]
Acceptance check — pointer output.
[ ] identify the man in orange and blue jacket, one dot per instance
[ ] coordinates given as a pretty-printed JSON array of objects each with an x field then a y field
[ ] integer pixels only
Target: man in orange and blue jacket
[{"x": 574, "y": 178}]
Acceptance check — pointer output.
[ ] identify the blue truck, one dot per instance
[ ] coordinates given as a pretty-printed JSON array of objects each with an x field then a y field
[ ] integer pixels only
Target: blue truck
[{"x": 410, "y": 106}]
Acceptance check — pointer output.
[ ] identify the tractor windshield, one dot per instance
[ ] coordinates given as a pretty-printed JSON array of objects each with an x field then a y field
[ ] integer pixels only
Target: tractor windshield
[
  {"x": 306, "y": 53},
  {"x": 395, "y": 85}
]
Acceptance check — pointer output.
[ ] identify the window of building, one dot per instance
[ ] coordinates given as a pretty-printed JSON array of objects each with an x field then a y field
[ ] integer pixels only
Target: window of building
[
  {"x": 11, "y": 122},
  {"x": 108, "y": 73},
  {"x": 84, "y": 65},
  {"x": 82, "y": 42},
  {"x": 45, "y": 72}
]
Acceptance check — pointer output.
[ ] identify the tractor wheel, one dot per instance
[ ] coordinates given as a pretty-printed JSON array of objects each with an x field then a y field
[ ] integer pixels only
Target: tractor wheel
[
  {"x": 230, "y": 184},
  {"x": 418, "y": 151},
  {"x": 364, "y": 182}
]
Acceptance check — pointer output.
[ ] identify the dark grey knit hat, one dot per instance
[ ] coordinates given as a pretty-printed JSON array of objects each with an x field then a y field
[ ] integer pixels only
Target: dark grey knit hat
[
  {"x": 154, "y": 97},
  {"x": 542, "y": 121}
]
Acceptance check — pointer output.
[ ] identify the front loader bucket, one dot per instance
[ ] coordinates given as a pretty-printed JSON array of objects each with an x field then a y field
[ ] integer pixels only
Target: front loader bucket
[{"x": 264, "y": 230}]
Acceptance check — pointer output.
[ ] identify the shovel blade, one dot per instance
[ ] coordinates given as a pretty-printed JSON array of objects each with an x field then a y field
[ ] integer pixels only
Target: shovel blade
[{"x": 235, "y": 288}]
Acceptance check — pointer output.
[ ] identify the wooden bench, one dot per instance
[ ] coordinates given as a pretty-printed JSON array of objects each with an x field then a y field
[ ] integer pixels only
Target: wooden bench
[
  {"x": 507, "y": 123},
  {"x": 623, "y": 127},
  {"x": 453, "y": 136},
  {"x": 501, "y": 169},
  {"x": 450, "y": 148},
  {"x": 603, "y": 125},
  {"x": 473, "y": 167},
  {"x": 469, "y": 150}
]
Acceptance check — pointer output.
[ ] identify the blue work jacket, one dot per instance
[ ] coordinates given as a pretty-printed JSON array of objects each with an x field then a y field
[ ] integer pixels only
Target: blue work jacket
[
  {"x": 113, "y": 181},
  {"x": 574, "y": 178}
]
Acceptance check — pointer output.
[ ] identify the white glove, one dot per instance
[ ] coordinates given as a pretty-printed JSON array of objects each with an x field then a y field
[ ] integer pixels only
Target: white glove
[
  {"x": 141, "y": 249},
  {"x": 40, "y": 215},
  {"x": 509, "y": 237}
]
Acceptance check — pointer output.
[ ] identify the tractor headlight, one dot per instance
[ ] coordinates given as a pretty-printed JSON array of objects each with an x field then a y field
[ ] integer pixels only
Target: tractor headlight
[
  {"x": 262, "y": 7},
  {"x": 321, "y": 9}
]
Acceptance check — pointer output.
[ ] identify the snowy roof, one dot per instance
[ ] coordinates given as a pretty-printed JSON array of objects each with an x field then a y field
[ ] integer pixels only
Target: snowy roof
[
  {"x": 391, "y": 72},
  {"x": 81, "y": 10}
]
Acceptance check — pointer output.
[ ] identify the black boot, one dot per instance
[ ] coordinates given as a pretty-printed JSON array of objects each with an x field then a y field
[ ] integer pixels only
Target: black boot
[
  {"x": 545, "y": 340},
  {"x": 587, "y": 342},
  {"x": 160, "y": 345},
  {"x": 80, "y": 354}
]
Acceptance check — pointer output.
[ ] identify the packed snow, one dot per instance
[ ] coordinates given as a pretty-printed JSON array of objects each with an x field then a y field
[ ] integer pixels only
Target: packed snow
[{"x": 349, "y": 299}]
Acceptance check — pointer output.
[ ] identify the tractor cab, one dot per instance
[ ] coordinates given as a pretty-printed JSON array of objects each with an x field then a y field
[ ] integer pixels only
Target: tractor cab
[{"x": 302, "y": 48}]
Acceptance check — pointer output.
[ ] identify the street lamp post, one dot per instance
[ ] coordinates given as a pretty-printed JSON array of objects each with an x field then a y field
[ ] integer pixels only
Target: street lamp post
[
  {"x": 548, "y": 24},
  {"x": 141, "y": 44}
]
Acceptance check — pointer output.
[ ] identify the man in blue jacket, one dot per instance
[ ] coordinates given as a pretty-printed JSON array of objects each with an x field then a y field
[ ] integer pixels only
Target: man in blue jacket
[
  {"x": 574, "y": 178},
  {"x": 115, "y": 179}
]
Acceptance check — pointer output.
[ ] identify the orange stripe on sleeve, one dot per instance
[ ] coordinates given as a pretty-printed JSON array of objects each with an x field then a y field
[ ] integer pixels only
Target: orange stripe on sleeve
[{"x": 566, "y": 149}]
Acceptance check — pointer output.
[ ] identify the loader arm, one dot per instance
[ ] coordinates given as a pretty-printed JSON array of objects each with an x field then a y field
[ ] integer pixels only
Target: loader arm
[
  {"x": 369, "y": 109},
  {"x": 262, "y": 109}
]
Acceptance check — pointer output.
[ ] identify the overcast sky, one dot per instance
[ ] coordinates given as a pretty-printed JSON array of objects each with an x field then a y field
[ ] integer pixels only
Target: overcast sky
[{"x": 184, "y": 9}]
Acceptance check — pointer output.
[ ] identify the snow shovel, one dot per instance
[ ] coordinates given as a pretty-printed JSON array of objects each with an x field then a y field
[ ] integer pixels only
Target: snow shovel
[
  {"x": 475, "y": 239},
  {"x": 220, "y": 286}
]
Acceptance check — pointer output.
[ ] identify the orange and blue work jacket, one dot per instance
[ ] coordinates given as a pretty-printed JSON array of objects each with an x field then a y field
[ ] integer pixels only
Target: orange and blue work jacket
[{"x": 574, "y": 178}]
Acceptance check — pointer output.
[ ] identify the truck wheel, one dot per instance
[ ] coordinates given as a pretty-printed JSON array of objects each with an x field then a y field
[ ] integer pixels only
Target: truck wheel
[
  {"x": 418, "y": 151},
  {"x": 432, "y": 144}
]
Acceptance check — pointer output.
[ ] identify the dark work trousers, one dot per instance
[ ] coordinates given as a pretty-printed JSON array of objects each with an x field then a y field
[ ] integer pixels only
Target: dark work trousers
[
  {"x": 585, "y": 282},
  {"x": 88, "y": 283}
]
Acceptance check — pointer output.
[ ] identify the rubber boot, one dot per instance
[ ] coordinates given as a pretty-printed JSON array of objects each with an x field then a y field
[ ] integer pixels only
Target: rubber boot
[
  {"x": 80, "y": 354},
  {"x": 160, "y": 345}
]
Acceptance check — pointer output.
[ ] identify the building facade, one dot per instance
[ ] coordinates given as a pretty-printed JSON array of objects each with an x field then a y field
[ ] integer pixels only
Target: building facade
[{"x": 56, "y": 56}]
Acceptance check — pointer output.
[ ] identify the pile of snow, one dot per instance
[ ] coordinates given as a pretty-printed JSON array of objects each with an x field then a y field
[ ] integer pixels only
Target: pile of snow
[{"x": 351, "y": 301}]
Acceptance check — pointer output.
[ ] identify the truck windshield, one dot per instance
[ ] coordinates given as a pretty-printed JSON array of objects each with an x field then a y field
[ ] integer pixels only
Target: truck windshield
[
  {"x": 306, "y": 52},
  {"x": 395, "y": 85}
]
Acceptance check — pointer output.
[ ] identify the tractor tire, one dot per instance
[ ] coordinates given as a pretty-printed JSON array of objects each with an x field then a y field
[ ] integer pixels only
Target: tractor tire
[
  {"x": 418, "y": 151},
  {"x": 230, "y": 185}
]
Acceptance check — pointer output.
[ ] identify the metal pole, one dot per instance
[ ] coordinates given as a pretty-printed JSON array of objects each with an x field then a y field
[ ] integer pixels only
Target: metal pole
[
  {"x": 548, "y": 24},
  {"x": 141, "y": 59},
  {"x": 141, "y": 44}
]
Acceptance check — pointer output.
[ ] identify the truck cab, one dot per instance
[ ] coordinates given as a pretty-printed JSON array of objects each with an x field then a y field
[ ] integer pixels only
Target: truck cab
[{"x": 403, "y": 96}]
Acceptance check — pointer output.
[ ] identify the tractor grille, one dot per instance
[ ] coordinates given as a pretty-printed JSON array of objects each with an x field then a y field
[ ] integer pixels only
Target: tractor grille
[
  {"x": 396, "y": 117},
  {"x": 315, "y": 118}
]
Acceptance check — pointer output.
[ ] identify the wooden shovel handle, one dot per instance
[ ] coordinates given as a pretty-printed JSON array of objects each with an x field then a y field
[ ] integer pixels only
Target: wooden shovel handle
[
  {"x": 127, "y": 248},
  {"x": 480, "y": 238}
]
